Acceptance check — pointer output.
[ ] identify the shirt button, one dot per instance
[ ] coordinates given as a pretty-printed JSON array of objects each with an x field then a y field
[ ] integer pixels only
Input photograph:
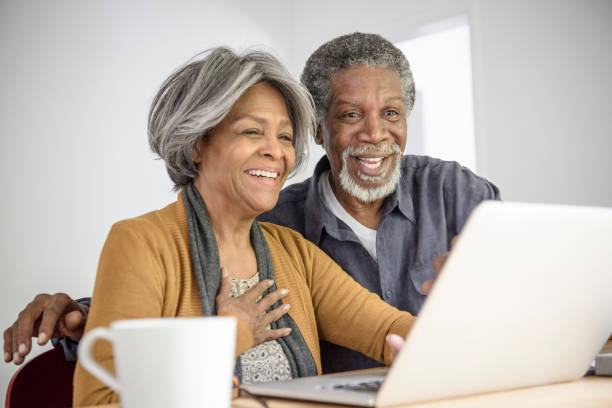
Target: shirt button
[{"x": 388, "y": 293}]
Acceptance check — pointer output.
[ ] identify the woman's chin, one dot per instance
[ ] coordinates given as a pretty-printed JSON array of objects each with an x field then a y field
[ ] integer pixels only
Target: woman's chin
[
  {"x": 261, "y": 206},
  {"x": 269, "y": 207}
]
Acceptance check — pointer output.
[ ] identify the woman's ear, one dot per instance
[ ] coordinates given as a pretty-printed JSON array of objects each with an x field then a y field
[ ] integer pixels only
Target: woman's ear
[{"x": 197, "y": 153}]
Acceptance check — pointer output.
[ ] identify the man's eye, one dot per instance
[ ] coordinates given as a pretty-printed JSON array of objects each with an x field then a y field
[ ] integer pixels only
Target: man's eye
[
  {"x": 350, "y": 115},
  {"x": 391, "y": 112}
]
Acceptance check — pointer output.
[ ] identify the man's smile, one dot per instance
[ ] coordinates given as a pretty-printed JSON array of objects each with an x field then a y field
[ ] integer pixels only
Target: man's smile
[{"x": 374, "y": 164}]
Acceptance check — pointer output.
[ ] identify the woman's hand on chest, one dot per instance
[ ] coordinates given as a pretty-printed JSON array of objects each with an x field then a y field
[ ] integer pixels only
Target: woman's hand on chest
[{"x": 252, "y": 311}]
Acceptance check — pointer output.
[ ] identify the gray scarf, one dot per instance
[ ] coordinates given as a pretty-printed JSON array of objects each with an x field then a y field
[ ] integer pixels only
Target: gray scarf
[{"x": 206, "y": 267}]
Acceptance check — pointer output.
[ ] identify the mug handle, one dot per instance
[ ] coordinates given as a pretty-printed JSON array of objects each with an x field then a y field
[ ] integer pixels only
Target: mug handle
[{"x": 89, "y": 363}]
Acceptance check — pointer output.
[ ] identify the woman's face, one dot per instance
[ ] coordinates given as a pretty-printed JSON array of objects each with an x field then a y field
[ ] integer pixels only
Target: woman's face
[{"x": 246, "y": 159}]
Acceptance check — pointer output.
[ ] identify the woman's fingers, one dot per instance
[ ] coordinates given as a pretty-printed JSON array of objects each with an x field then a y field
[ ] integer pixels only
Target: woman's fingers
[
  {"x": 223, "y": 299},
  {"x": 254, "y": 312},
  {"x": 275, "y": 334},
  {"x": 395, "y": 343},
  {"x": 275, "y": 314},
  {"x": 224, "y": 288},
  {"x": 257, "y": 291},
  {"x": 272, "y": 298}
]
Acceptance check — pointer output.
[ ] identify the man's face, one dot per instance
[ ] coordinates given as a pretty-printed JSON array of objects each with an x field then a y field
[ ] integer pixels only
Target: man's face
[{"x": 364, "y": 133}]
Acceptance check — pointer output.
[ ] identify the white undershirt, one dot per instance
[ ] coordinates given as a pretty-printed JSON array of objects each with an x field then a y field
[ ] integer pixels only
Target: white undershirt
[{"x": 366, "y": 235}]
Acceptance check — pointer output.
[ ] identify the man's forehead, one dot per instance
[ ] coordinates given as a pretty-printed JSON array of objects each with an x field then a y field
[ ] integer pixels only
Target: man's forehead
[{"x": 360, "y": 81}]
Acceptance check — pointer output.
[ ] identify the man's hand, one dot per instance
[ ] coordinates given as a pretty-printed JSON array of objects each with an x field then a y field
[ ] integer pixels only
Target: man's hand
[
  {"x": 252, "y": 311},
  {"x": 47, "y": 316},
  {"x": 438, "y": 263},
  {"x": 395, "y": 343}
]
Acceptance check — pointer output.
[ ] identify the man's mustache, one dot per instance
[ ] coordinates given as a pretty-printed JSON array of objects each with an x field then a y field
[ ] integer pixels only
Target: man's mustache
[{"x": 370, "y": 148}]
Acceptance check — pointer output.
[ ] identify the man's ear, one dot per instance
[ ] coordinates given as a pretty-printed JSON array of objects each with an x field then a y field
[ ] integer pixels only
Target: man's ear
[{"x": 319, "y": 135}]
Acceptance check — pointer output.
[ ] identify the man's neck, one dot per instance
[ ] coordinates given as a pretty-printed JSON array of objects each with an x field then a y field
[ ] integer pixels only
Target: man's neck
[{"x": 368, "y": 214}]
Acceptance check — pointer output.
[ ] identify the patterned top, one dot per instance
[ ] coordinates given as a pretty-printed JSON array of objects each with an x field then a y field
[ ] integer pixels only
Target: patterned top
[{"x": 266, "y": 361}]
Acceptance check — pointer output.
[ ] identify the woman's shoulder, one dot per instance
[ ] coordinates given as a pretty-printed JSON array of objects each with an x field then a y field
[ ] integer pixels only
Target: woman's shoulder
[
  {"x": 291, "y": 247},
  {"x": 281, "y": 233},
  {"x": 167, "y": 221},
  {"x": 288, "y": 240}
]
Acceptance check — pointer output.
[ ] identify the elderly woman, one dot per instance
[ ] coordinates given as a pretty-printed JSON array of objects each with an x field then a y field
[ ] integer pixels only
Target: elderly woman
[{"x": 231, "y": 129}]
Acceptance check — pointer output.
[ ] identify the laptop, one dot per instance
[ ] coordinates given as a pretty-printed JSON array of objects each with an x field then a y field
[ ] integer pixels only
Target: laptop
[{"x": 523, "y": 300}]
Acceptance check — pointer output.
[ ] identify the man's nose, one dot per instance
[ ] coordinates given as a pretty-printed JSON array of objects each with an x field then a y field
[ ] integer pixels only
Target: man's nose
[{"x": 374, "y": 130}]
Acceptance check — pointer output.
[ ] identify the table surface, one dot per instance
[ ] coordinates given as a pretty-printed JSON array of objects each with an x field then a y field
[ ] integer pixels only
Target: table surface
[{"x": 587, "y": 392}]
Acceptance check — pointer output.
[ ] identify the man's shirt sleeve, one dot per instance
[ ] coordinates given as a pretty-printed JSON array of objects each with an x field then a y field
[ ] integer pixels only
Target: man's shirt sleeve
[{"x": 69, "y": 344}]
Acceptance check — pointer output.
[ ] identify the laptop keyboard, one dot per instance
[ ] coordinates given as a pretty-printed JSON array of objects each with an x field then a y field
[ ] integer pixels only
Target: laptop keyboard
[{"x": 362, "y": 386}]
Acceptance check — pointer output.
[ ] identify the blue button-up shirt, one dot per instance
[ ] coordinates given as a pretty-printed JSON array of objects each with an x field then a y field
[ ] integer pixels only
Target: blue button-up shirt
[{"x": 429, "y": 207}]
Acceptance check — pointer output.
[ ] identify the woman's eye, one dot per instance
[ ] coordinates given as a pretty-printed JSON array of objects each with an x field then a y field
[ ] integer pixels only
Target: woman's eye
[
  {"x": 251, "y": 132},
  {"x": 287, "y": 138}
]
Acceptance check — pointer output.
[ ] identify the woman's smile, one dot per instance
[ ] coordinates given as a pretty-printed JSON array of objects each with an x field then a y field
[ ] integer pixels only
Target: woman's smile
[{"x": 266, "y": 176}]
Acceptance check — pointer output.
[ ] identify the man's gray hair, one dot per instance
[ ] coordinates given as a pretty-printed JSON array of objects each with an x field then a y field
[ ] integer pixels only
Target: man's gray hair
[
  {"x": 194, "y": 99},
  {"x": 350, "y": 50}
]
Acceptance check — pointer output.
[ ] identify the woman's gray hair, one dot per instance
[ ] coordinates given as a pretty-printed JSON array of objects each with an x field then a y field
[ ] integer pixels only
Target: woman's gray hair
[
  {"x": 194, "y": 99},
  {"x": 349, "y": 50}
]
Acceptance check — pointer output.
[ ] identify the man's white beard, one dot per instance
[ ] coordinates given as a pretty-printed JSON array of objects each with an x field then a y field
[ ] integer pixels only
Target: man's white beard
[{"x": 368, "y": 195}]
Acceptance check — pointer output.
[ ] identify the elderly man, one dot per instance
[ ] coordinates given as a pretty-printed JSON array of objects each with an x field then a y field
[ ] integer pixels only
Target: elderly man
[{"x": 382, "y": 216}]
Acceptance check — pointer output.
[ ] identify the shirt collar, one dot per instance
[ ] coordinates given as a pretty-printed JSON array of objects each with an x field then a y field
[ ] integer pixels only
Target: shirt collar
[{"x": 402, "y": 197}]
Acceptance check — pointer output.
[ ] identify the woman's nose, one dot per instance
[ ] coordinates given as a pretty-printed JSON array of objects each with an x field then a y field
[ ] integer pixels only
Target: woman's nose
[{"x": 272, "y": 148}]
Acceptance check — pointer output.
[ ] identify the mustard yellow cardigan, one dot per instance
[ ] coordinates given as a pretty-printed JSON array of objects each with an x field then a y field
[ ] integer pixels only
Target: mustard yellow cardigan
[{"x": 145, "y": 271}]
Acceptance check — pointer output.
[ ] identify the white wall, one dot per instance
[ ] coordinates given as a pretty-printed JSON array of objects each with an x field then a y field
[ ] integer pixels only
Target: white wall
[
  {"x": 441, "y": 65},
  {"x": 77, "y": 78},
  {"x": 545, "y": 97}
]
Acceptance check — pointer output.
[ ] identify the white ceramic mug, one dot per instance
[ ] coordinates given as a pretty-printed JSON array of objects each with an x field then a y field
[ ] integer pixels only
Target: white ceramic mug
[{"x": 173, "y": 362}]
